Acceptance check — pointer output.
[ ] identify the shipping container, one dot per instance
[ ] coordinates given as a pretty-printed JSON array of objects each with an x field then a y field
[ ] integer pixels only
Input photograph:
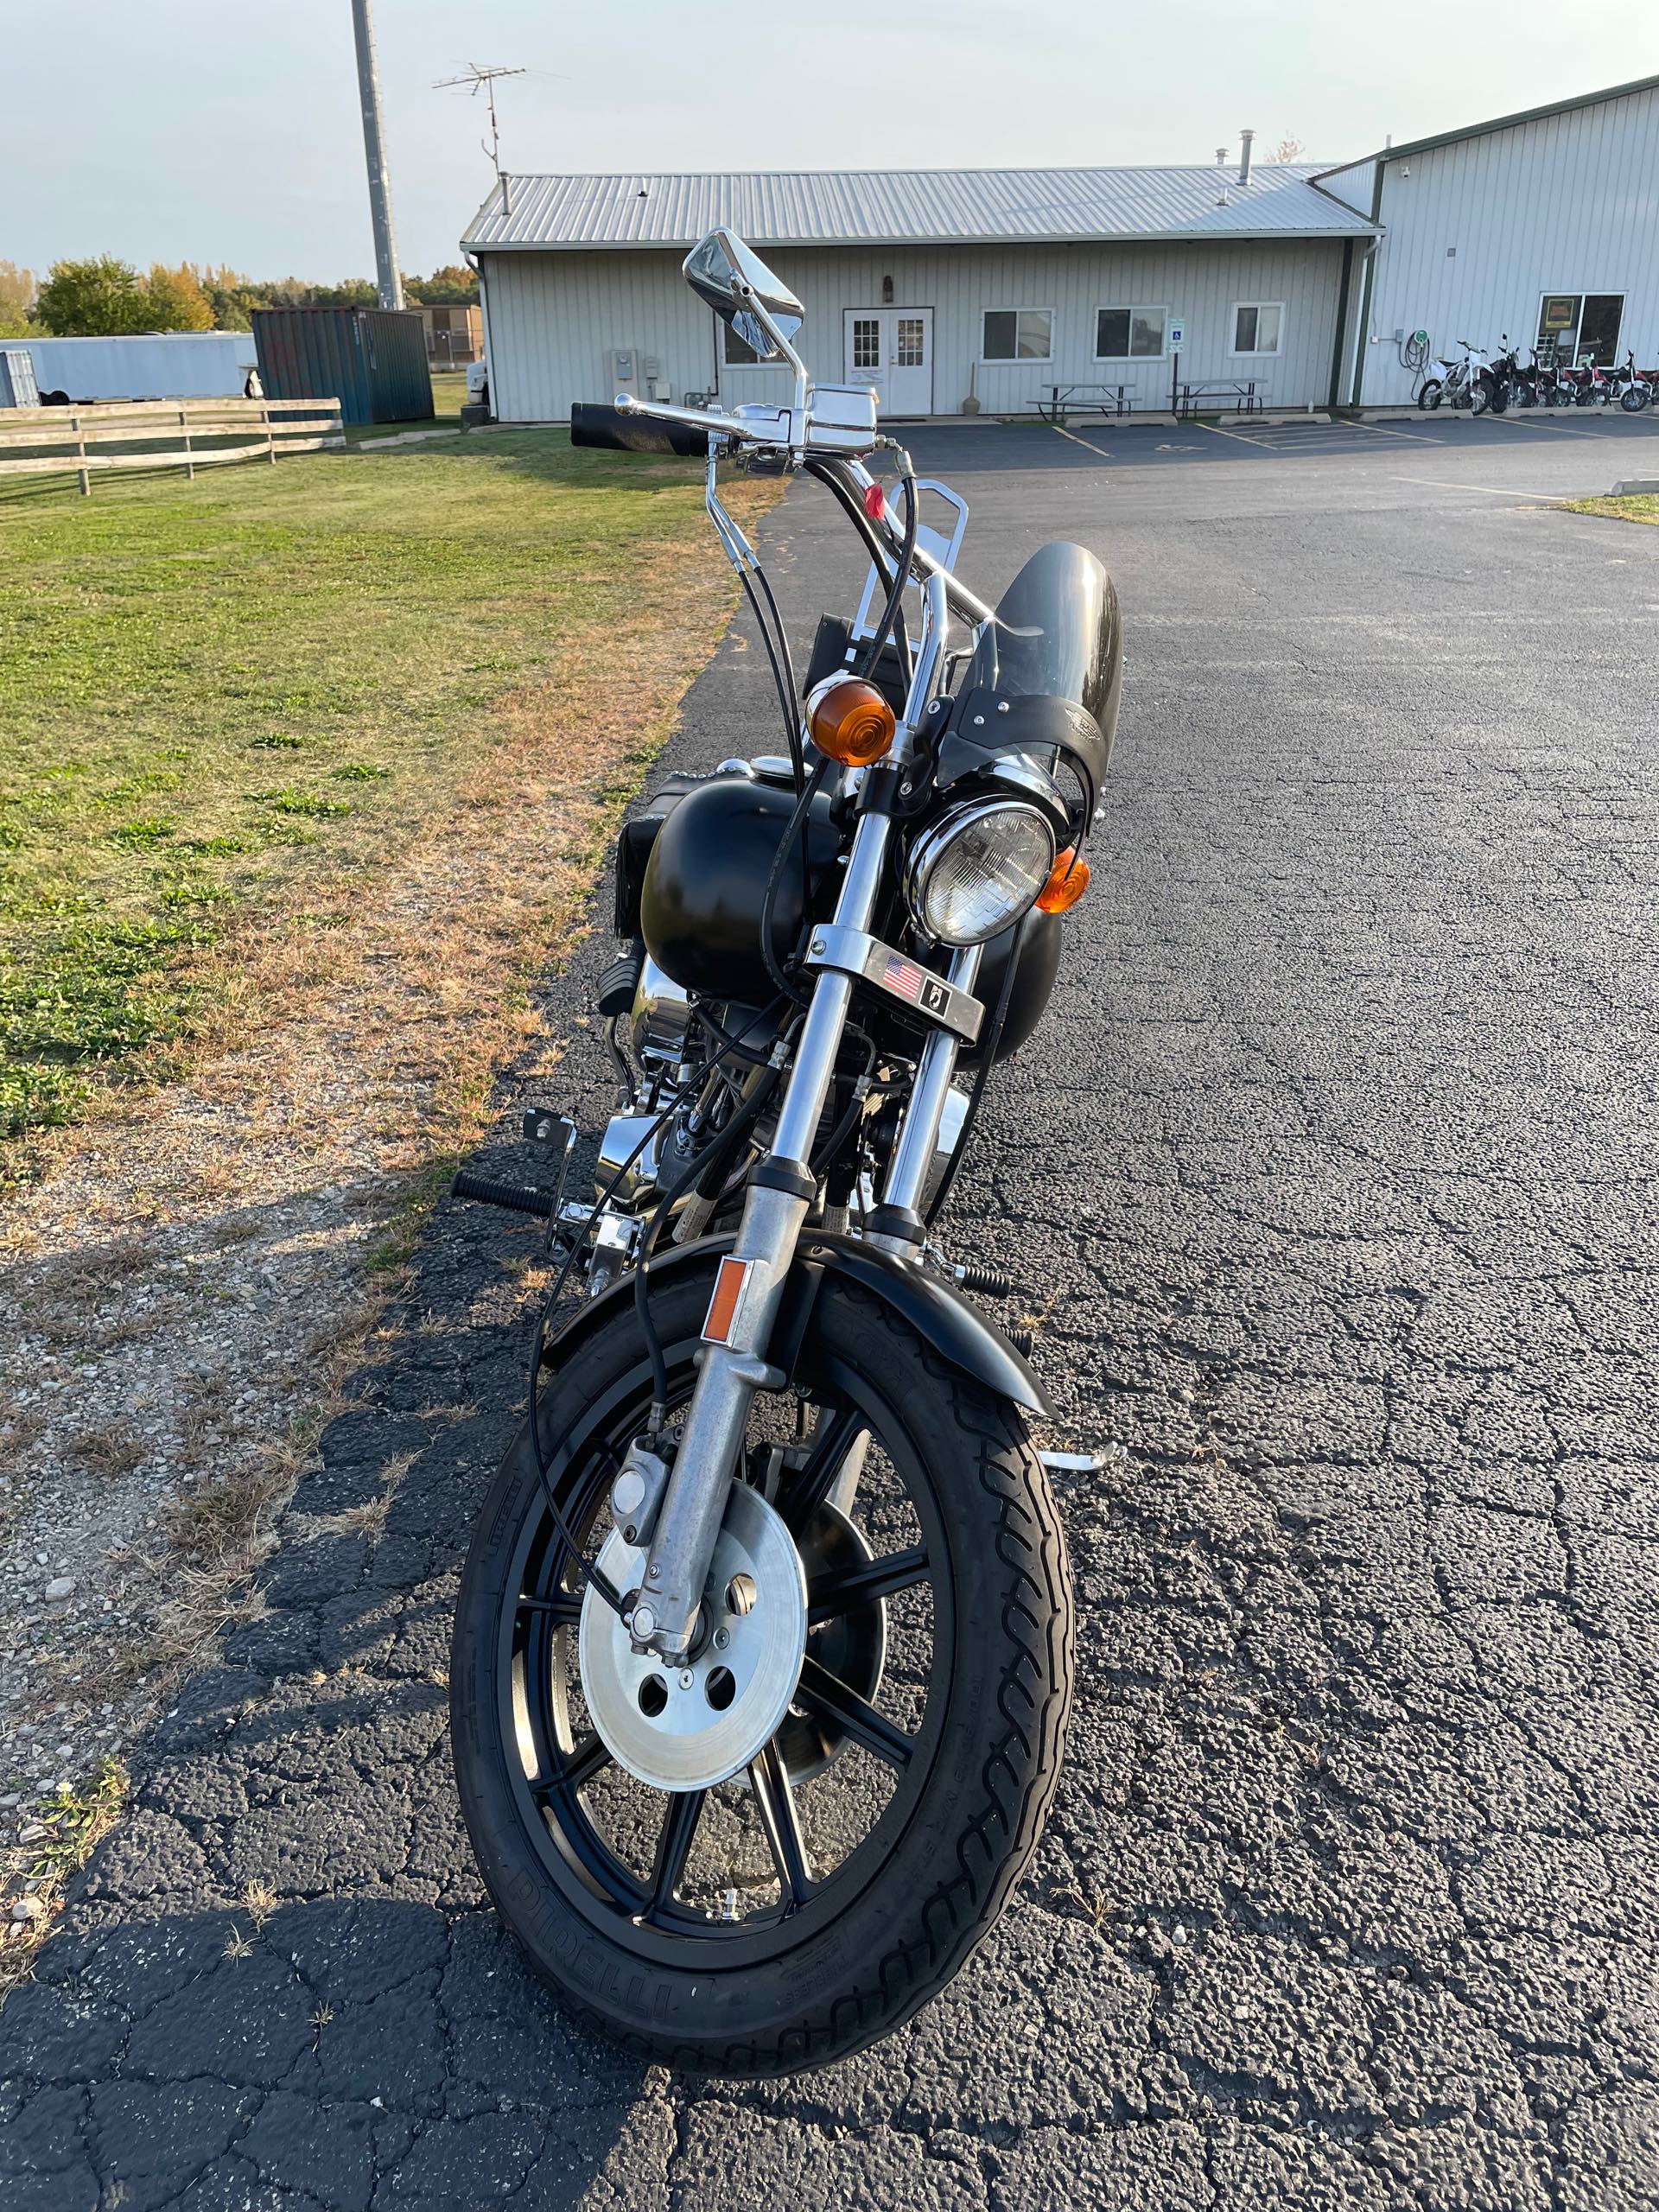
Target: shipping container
[
  {"x": 372, "y": 359},
  {"x": 154, "y": 365}
]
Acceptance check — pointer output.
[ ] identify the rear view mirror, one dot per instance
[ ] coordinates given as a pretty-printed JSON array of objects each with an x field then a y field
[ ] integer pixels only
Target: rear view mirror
[{"x": 722, "y": 270}]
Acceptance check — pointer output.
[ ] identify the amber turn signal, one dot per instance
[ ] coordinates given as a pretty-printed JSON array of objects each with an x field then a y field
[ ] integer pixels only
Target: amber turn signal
[
  {"x": 850, "y": 720},
  {"x": 1068, "y": 880}
]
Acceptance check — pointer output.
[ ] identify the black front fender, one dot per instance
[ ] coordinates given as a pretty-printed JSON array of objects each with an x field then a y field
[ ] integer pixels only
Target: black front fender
[{"x": 940, "y": 1315}]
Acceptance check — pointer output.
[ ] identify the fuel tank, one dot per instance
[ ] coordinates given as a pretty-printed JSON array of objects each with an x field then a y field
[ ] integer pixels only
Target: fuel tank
[{"x": 705, "y": 884}]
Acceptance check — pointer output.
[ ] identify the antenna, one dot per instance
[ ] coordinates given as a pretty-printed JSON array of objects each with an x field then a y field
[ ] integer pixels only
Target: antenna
[{"x": 483, "y": 80}]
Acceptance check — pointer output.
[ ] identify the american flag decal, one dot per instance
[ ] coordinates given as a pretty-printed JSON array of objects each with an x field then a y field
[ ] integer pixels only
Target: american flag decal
[
  {"x": 907, "y": 981},
  {"x": 904, "y": 977}
]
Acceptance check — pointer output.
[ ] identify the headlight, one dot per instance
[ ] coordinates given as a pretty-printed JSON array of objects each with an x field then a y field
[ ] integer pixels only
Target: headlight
[{"x": 977, "y": 869}]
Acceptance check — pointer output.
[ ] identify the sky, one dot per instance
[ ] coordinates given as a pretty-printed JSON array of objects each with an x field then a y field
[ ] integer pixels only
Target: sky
[{"x": 191, "y": 130}]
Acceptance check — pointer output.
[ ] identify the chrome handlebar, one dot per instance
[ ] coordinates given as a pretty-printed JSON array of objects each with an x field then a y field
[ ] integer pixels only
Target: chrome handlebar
[{"x": 843, "y": 430}]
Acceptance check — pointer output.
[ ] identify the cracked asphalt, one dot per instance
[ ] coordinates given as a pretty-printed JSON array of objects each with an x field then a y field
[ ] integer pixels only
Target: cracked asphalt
[{"x": 1331, "y": 1174}]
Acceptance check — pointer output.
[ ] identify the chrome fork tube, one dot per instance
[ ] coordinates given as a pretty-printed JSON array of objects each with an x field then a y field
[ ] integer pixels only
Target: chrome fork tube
[
  {"x": 694, "y": 1505},
  {"x": 913, "y": 1155}
]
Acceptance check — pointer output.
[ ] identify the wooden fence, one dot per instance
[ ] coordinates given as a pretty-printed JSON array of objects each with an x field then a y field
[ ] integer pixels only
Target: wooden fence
[{"x": 188, "y": 434}]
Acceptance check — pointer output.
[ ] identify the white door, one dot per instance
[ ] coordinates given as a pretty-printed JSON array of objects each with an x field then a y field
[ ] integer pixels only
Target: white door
[{"x": 891, "y": 350}]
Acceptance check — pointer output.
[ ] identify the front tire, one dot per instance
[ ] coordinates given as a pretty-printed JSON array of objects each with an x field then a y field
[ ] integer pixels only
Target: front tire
[
  {"x": 1430, "y": 395},
  {"x": 835, "y": 1961}
]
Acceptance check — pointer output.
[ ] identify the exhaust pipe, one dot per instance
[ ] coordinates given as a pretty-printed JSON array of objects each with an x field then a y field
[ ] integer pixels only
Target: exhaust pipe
[{"x": 1246, "y": 140}]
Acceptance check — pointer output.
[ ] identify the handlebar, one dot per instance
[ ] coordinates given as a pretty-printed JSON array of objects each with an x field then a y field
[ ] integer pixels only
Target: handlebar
[
  {"x": 652, "y": 426},
  {"x": 613, "y": 431}
]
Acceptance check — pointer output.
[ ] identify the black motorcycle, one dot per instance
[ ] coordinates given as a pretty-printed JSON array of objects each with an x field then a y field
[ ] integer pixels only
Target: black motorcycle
[{"x": 764, "y": 1647}]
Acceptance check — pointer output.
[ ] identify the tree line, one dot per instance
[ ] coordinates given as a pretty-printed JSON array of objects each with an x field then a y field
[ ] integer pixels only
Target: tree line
[{"x": 106, "y": 297}]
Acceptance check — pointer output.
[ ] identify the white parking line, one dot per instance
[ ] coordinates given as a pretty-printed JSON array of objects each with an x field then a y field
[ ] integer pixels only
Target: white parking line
[
  {"x": 1526, "y": 423},
  {"x": 1498, "y": 492},
  {"x": 1239, "y": 434},
  {"x": 1383, "y": 431},
  {"x": 1076, "y": 441}
]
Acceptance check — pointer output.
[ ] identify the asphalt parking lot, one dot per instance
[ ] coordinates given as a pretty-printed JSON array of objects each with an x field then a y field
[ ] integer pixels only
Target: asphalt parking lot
[{"x": 1331, "y": 1174}]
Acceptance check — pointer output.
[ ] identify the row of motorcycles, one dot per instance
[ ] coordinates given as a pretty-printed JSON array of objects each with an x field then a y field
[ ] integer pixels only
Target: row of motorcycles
[{"x": 1485, "y": 384}]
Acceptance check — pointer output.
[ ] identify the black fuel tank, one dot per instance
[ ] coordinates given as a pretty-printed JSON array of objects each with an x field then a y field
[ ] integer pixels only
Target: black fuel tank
[{"x": 706, "y": 882}]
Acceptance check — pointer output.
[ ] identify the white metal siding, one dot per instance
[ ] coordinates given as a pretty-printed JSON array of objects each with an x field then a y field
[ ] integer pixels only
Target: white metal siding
[
  {"x": 1569, "y": 203},
  {"x": 554, "y": 317}
]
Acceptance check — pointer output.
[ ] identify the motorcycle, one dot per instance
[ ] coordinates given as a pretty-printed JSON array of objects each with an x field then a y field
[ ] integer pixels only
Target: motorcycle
[
  {"x": 763, "y": 1651},
  {"x": 1472, "y": 383},
  {"x": 1635, "y": 388},
  {"x": 1522, "y": 387}
]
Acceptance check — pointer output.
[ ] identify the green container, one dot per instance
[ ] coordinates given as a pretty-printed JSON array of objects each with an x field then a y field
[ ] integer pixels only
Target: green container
[{"x": 372, "y": 359}]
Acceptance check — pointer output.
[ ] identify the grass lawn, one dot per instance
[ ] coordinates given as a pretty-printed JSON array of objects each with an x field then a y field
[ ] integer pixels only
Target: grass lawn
[
  {"x": 1642, "y": 506},
  {"x": 223, "y": 699}
]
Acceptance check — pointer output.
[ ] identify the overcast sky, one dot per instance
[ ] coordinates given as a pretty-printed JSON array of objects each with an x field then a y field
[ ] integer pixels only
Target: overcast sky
[{"x": 193, "y": 130}]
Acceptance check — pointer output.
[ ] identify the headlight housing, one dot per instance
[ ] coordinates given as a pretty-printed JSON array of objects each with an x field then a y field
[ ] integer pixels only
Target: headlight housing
[{"x": 975, "y": 871}]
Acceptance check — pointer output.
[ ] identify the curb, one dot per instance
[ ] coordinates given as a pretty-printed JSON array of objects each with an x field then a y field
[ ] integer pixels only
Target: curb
[{"x": 1634, "y": 485}]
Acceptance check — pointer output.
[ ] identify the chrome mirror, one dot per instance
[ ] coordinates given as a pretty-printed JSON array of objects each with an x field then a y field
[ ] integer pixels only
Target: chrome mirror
[{"x": 722, "y": 270}]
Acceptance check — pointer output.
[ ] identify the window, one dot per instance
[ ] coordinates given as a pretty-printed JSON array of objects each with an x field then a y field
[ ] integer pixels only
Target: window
[
  {"x": 1018, "y": 334},
  {"x": 737, "y": 354},
  {"x": 1574, "y": 327},
  {"x": 1129, "y": 333},
  {"x": 909, "y": 352},
  {"x": 866, "y": 341},
  {"x": 1258, "y": 325}
]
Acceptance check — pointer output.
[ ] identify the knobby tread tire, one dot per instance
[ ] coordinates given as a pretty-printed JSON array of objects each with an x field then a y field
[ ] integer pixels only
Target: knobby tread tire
[{"x": 1014, "y": 1638}]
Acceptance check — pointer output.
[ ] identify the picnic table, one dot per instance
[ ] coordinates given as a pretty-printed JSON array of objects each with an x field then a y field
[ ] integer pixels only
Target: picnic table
[
  {"x": 1060, "y": 402},
  {"x": 1239, "y": 396}
]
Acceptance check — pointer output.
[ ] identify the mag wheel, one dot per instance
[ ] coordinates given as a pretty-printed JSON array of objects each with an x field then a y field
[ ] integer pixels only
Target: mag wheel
[{"x": 815, "y": 1899}]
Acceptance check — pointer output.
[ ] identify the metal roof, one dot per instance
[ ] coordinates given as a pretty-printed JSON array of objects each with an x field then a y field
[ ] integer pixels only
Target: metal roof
[
  {"x": 1498, "y": 123},
  {"x": 911, "y": 208}
]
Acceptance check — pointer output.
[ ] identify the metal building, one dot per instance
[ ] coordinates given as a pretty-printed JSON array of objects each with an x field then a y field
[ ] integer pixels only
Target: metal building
[
  {"x": 946, "y": 289},
  {"x": 979, "y": 291},
  {"x": 1544, "y": 225}
]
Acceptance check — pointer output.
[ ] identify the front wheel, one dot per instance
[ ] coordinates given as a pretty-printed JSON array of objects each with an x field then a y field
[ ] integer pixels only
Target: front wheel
[
  {"x": 812, "y": 1901},
  {"x": 1430, "y": 395},
  {"x": 1633, "y": 399}
]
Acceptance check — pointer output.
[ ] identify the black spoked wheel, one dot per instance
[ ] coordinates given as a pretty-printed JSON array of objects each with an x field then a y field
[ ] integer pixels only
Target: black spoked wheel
[{"x": 805, "y": 1905}]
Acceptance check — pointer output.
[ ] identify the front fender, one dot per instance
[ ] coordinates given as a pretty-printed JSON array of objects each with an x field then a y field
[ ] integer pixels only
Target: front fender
[{"x": 958, "y": 1332}]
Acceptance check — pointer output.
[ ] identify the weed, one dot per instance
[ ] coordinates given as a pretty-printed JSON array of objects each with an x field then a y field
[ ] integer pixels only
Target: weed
[{"x": 73, "y": 1820}]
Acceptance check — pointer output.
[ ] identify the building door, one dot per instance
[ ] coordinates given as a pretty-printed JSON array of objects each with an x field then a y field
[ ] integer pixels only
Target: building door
[{"x": 891, "y": 350}]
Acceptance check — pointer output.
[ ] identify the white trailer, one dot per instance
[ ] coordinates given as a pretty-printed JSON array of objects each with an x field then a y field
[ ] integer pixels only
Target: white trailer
[{"x": 163, "y": 365}]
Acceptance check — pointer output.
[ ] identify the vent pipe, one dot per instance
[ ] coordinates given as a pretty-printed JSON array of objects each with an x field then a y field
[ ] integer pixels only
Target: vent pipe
[
  {"x": 1221, "y": 157},
  {"x": 1246, "y": 140}
]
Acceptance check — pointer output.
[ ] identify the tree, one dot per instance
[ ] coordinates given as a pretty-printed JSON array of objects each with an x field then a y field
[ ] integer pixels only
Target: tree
[
  {"x": 176, "y": 300},
  {"x": 453, "y": 286},
  {"x": 1288, "y": 149},
  {"x": 93, "y": 299},
  {"x": 354, "y": 292},
  {"x": 17, "y": 289}
]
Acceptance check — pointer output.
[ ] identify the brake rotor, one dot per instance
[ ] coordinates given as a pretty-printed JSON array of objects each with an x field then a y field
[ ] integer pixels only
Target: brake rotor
[{"x": 689, "y": 1728}]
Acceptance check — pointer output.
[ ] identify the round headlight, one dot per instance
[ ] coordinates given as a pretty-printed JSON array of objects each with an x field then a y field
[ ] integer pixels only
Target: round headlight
[{"x": 978, "y": 868}]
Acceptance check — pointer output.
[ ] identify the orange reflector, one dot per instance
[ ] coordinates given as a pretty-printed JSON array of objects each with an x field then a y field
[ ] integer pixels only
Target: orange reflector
[
  {"x": 1068, "y": 880},
  {"x": 850, "y": 720},
  {"x": 729, "y": 1284}
]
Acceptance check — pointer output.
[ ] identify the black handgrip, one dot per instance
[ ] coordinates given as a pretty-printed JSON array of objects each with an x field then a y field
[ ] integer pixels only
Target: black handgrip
[
  {"x": 618, "y": 431},
  {"x": 501, "y": 1194}
]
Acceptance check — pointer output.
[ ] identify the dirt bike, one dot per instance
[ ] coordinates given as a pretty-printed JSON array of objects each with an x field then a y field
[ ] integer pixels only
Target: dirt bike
[
  {"x": 763, "y": 1651},
  {"x": 1472, "y": 383}
]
